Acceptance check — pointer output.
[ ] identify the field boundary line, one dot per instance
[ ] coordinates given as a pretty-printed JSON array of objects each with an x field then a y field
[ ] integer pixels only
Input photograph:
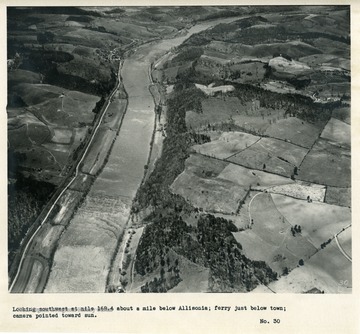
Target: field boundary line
[
  {"x": 243, "y": 149},
  {"x": 338, "y": 243}
]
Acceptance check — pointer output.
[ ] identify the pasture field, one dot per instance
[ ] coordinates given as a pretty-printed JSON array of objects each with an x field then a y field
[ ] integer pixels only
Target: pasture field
[
  {"x": 270, "y": 239},
  {"x": 337, "y": 132},
  {"x": 229, "y": 110},
  {"x": 195, "y": 278},
  {"x": 337, "y": 272},
  {"x": 299, "y": 190},
  {"x": 214, "y": 195},
  {"x": 330, "y": 276},
  {"x": 295, "y": 131},
  {"x": 57, "y": 106},
  {"x": 39, "y": 158},
  {"x": 278, "y": 156},
  {"x": 284, "y": 67},
  {"x": 338, "y": 196},
  {"x": 23, "y": 76},
  {"x": 255, "y": 68},
  {"x": 237, "y": 220},
  {"x": 38, "y": 133},
  {"x": 49, "y": 236},
  {"x": 247, "y": 177},
  {"x": 326, "y": 164},
  {"x": 18, "y": 117},
  {"x": 62, "y": 135},
  {"x": 318, "y": 221},
  {"x": 82, "y": 260},
  {"x": 342, "y": 114},
  {"x": 215, "y": 110},
  {"x": 228, "y": 143},
  {"x": 17, "y": 138},
  {"x": 317, "y": 60},
  {"x": 345, "y": 241}
]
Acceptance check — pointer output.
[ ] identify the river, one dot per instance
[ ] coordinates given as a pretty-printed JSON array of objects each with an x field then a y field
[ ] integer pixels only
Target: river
[{"x": 83, "y": 258}]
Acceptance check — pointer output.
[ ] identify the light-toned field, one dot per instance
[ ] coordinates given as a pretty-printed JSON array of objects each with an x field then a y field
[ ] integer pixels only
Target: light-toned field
[
  {"x": 62, "y": 135},
  {"x": 211, "y": 90},
  {"x": 66, "y": 207},
  {"x": 337, "y": 132},
  {"x": 49, "y": 237},
  {"x": 237, "y": 220},
  {"x": 298, "y": 189},
  {"x": 330, "y": 59},
  {"x": 328, "y": 270},
  {"x": 58, "y": 106},
  {"x": 247, "y": 177},
  {"x": 318, "y": 221},
  {"x": 82, "y": 259},
  {"x": 227, "y": 144},
  {"x": 199, "y": 184},
  {"x": 279, "y": 156},
  {"x": 294, "y": 130},
  {"x": 195, "y": 278},
  {"x": 338, "y": 196},
  {"x": 214, "y": 195},
  {"x": 326, "y": 164},
  {"x": 270, "y": 238},
  {"x": 283, "y": 66},
  {"x": 345, "y": 241}
]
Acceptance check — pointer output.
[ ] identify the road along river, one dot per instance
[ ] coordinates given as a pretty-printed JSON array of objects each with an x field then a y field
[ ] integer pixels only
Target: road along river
[{"x": 86, "y": 247}]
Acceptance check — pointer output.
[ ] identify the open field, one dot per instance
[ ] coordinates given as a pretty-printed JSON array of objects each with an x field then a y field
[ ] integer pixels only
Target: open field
[
  {"x": 318, "y": 221},
  {"x": 299, "y": 189},
  {"x": 195, "y": 278},
  {"x": 229, "y": 110},
  {"x": 337, "y": 132},
  {"x": 338, "y": 196},
  {"x": 227, "y": 144},
  {"x": 211, "y": 89},
  {"x": 270, "y": 238},
  {"x": 342, "y": 114},
  {"x": 326, "y": 164},
  {"x": 345, "y": 241},
  {"x": 82, "y": 260},
  {"x": 295, "y": 131},
  {"x": 247, "y": 177},
  {"x": 330, "y": 276},
  {"x": 57, "y": 106},
  {"x": 200, "y": 185},
  {"x": 214, "y": 195},
  {"x": 278, "y": 156},
  {"x": 62, "y": 136}
]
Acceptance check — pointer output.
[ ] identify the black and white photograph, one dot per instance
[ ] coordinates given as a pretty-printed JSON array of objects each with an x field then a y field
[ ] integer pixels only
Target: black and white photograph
[
  {"x": 179, "y": 149},
  {"x": 178, "y": 168}
]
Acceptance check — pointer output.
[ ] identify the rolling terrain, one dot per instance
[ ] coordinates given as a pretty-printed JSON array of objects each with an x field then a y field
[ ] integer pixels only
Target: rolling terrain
[
  {"x": 179, "y": 149},
  {"x": 257, "y": 133}
]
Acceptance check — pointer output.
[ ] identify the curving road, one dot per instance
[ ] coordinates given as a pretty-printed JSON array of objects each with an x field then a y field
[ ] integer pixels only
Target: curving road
[{"x": 66, "y": 187}]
